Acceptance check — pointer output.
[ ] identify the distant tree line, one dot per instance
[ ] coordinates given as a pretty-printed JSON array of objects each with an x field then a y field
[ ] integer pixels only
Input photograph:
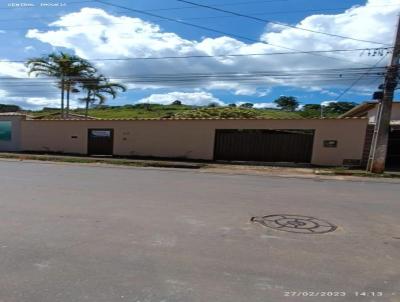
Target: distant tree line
[
  {"x": 291, "y": 104},
  {"x": 9, "y": 108}
]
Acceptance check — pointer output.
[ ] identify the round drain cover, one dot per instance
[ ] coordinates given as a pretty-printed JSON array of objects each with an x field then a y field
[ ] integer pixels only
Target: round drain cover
[{"x": 296, "y": 224}]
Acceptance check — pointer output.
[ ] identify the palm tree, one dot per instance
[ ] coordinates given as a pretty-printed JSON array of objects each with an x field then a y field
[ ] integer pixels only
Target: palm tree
[
  {"x": 69, "y": 69},
  {"x": 80, "y": 70},
  {"x": 97, "y": 88}
]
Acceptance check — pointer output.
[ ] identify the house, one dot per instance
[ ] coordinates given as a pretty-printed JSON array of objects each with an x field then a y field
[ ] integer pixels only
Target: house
[
  {"x": 324, "y": 142},
  {"x": 370, "y": 110}
]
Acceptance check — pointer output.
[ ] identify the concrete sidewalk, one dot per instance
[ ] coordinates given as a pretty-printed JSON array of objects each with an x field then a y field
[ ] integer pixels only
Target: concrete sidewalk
[{"x": 284, "y": 170}]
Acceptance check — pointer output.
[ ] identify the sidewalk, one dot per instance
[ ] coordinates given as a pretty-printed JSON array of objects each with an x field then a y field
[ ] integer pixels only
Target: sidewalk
[{"x": 316, "y": 173}]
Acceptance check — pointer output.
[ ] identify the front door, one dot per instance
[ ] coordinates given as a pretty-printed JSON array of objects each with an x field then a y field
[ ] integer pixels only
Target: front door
[{"x": 100, "y": 141}]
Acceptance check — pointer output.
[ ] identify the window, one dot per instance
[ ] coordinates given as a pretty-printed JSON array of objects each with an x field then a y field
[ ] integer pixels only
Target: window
[
  {"x": 5, "y": 130},
  {"x": 100, "y": 133}
]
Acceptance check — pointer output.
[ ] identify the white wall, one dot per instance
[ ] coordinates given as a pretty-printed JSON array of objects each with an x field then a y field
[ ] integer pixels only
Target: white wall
[{"x": 395, "y": 113}]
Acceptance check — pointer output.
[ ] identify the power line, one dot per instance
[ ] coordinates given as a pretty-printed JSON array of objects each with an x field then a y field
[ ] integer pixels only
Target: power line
[
  {"x": 337, "y": 76},
  {"x": 344, "y": 73},
  {"x": 279, "y": 23},
  {"x": 197, "y": 82},
  {"x": 284, "y": 12},
  {"x": 222, "y": 56},
  {"x": 215, "y": 30},
  {"x": 28, "y": 83},
  {"x": 212, "y": 17},
  {"x": 359, "y": 79},
  {"x": 218, "y": 4},
  {"x": 308, "y": 71}
]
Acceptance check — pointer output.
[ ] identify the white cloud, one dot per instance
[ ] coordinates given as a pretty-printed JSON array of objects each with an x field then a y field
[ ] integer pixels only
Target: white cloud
[
  {"x": 326, "y": 103},
  {"x": 249, "y": 91},
  {"x": 12, "y": 69},
  {"x": 269, "y": 105},
  {"x": 106, "y": 36},
  {"x": 265, "y": 105},
  {"x": 188, "y": 98},
  {"x": 16, "y": 88},
  {"x": 3, "y": 93},
  {"x": 29, "y": 48},
  {"x": 31, "y": 102}
]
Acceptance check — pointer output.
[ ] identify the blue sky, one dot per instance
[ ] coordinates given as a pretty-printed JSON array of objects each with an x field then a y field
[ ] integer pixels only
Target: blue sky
[{"x": 97, "y": 31}]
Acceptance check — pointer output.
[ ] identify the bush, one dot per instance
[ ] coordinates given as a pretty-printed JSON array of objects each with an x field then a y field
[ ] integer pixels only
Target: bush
[
  {"x": 219, "y": 113},
  {"x": 176, "y": 103}
]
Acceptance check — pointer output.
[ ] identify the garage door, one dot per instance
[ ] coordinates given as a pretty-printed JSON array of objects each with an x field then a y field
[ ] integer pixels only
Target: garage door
[
  {"x": 393, "y": 153},
  {"x": 264, "y": 145}
]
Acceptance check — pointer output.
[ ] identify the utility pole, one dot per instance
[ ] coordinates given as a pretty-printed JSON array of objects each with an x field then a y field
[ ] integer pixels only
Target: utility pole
[{"x": 382, "y": 124}]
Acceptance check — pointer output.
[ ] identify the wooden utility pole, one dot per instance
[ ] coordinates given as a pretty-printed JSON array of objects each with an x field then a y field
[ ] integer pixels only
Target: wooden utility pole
[{"x": 382, "y": 125}]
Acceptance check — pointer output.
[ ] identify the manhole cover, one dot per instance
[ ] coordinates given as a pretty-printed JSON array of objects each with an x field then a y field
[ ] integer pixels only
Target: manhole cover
[{"x": 296, "y": 224}]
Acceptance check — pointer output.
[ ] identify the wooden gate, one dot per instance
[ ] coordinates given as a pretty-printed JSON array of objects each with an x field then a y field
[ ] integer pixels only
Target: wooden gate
[{"x": 264, "y": 145}]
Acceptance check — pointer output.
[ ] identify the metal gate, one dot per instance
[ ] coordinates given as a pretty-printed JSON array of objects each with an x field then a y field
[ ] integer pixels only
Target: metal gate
[
  {"x": 100, "y": 141},
  {"x": 393, "y": 152},
  {"x": 290, "y": 145}
]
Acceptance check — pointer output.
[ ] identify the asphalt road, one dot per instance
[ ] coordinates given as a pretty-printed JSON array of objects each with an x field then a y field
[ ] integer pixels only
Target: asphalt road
[{"x": 77, "y": 233}]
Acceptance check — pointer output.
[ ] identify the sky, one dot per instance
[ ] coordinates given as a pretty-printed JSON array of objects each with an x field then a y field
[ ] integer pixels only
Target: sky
[{"x": 200, "y": 55}]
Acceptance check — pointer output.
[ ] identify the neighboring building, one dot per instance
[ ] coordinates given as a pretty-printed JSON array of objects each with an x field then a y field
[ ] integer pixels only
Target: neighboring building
[
  {"x": 370, "y": 111},
  {"x": 325, "y": 142},
  {"x": 10, "y": 131}
]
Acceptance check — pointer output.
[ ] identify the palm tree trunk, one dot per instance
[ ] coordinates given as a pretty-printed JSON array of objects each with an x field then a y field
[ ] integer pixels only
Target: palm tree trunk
[
  {"x": 62, "y": 96},
  {"x": 87, "y": 104},
  {"x": 68, "y": 92},
  {"x": 87, "y": 108}
]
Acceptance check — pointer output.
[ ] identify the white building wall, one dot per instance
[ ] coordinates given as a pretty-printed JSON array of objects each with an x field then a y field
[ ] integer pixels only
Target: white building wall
[{"x": 372, "y": 114}]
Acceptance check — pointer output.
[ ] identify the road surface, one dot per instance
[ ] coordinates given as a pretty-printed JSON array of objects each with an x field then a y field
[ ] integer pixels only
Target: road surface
[{"x": 104, "y": 234}]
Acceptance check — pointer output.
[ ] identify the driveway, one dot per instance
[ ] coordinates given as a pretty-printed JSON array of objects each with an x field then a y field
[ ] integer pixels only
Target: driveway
[{"x": 104, "y": 234}]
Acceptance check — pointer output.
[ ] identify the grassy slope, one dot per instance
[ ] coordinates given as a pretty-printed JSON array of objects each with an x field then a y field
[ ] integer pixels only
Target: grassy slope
[{"x": 158, "y": 111}]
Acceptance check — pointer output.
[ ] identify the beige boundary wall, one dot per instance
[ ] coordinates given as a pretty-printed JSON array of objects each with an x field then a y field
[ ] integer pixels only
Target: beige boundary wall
[{"x": 192, "y": 139}]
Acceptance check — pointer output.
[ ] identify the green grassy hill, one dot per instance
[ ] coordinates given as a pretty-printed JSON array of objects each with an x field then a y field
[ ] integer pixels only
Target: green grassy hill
[{"x": 177, "y": 111}]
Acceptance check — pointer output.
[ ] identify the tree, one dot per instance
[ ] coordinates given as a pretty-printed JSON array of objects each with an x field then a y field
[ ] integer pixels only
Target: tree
[
  {"x": 339, "y": 107},
  {"x": 176, "y": 103},
  {"x": 308, "y": 107},
  {"x": 221, "y": 112},
  {"x": 68, "y": 69},
  {"x": 232, "y": 105},
  {"x": 311, "y": 110},
  {"x": 288, "y": 103},
  {"x": 247, "y": 105},
  {"x": 213, "y": 105},
  {"x": 9, "y": 108},
  {"x": 97, "y": 87}
]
